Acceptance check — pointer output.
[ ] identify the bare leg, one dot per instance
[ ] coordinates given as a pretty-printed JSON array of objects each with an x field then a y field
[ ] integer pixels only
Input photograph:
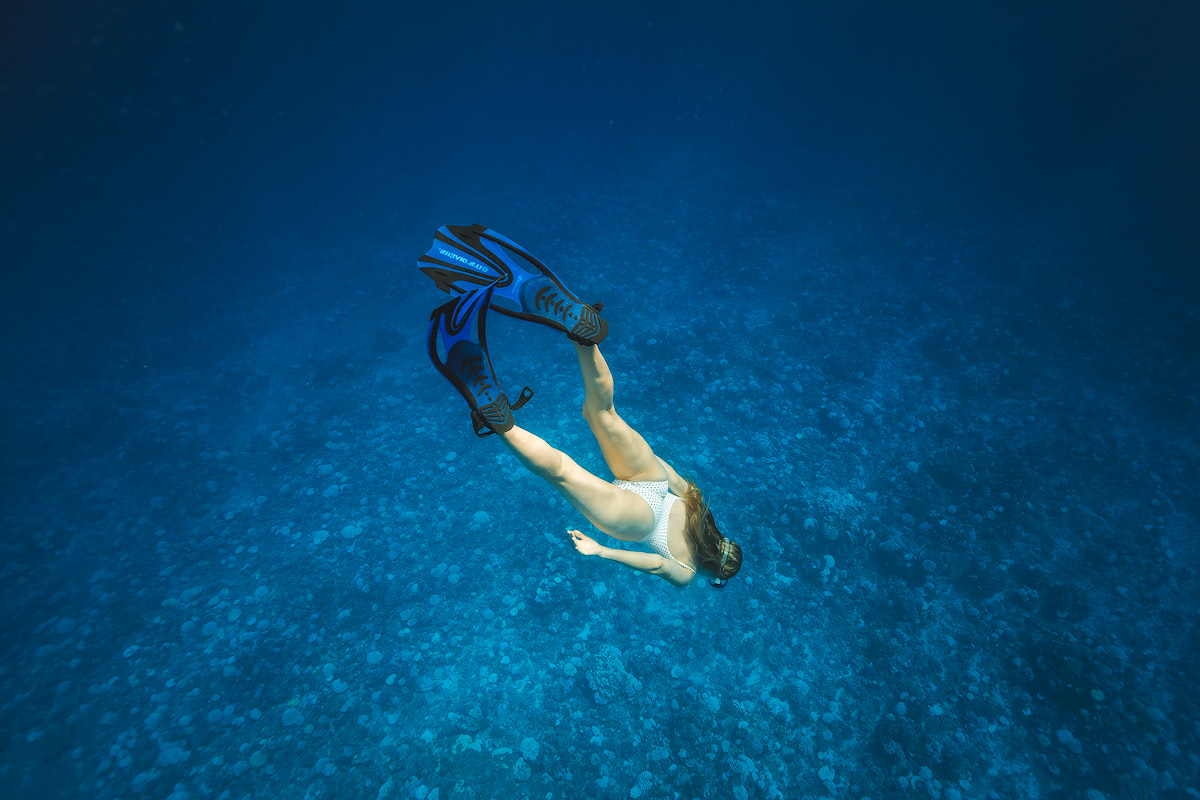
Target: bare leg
[
  {"x": 626, "y": 452},
  {"x": 621, "y": 514}
]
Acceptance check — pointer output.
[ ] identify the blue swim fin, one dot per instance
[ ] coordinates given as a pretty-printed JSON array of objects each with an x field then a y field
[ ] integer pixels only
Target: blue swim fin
[
  {"x": 458, "y": 348},
  {"x": 465, "y": 257}
]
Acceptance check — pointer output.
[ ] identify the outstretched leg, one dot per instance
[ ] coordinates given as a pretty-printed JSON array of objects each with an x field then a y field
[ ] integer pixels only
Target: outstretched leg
[
  {"x": 624, "y": 449},
  {"x": 622, "y": 515}
]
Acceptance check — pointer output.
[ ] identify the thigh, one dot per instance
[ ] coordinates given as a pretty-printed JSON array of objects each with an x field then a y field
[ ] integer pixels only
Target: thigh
[
  {"x": 619, "y": 513},
  {"x": 625, "y": 451}
]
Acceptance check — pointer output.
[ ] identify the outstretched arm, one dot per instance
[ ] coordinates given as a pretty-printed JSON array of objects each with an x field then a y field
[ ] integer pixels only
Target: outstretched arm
[{"x": 649, "y": 563}]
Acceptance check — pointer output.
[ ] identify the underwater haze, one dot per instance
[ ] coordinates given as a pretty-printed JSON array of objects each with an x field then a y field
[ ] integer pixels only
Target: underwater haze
[{"x": 910, "y": 290}]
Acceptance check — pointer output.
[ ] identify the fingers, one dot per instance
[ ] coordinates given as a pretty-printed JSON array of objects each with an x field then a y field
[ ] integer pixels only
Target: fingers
[{"x": 578, "y": 538}]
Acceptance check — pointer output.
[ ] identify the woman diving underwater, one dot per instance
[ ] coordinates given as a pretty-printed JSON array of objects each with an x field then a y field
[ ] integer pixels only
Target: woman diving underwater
[{"x": 648, "y": 503}]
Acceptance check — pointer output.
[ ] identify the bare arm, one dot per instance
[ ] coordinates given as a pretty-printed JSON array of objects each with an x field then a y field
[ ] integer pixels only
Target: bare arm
[{"x": 649, "y": 563}]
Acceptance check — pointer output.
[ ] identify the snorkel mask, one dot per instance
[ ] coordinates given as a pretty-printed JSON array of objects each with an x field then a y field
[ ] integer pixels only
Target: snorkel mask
[{"x": 719, "y": 583}]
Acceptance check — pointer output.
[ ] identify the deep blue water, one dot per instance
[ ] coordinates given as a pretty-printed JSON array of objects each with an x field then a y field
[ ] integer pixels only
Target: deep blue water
[{"x": 911, "y": 293}]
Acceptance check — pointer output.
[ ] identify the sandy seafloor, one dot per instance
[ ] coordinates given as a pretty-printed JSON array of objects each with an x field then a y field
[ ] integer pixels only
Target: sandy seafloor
[{"x": 252, "y": 548}]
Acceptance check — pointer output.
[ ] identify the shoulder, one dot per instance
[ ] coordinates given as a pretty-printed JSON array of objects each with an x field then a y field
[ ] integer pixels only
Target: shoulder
[{"x": 676, "y": 574}]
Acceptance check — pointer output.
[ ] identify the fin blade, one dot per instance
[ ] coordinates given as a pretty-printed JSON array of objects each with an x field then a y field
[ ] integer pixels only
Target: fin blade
[
  {"x": 450, "y": 280},
  {"x": 504, "y": 250},
  {"x": 455, "y": 254}
]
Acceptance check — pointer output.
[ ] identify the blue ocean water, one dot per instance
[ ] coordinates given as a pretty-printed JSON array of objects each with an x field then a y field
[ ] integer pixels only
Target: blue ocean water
[{"x": 910, "y": 292}]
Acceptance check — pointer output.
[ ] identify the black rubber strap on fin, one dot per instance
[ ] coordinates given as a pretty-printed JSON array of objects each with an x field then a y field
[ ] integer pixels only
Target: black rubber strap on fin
[{"x": 526, "y": 396}]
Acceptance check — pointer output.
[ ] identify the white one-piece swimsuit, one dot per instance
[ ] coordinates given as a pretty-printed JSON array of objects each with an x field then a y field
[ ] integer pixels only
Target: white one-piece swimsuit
[{"x": 661, "y": 501}]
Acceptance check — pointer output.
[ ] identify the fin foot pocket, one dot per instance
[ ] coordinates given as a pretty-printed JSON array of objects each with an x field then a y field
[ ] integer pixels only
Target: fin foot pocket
[
  {"x": 465, "y": 258},
  {"x": 456, "y": 328},
  {"x": 498, "y": 418},
  {"x": 590, "y": 329}
]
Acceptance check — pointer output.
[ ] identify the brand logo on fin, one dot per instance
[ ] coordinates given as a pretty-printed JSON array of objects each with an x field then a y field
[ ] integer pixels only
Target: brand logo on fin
[{"x": 475, "y": 265}]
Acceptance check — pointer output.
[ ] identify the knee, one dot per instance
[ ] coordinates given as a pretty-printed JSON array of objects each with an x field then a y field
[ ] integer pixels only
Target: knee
[
  {"x": 559, "y": 467},
  {"x": 596, "y": 412},
  {"x": 600, "y": 390}
]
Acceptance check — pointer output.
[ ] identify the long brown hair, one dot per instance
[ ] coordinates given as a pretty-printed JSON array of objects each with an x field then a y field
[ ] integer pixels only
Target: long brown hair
[{"x": 705, "y": 538}]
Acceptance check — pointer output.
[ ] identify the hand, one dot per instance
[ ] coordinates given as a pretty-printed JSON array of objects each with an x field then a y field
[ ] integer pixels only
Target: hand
[{"x": 584, "y": 543}]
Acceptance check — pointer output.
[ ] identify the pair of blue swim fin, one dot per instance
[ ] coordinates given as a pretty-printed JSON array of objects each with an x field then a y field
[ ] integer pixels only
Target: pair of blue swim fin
[{"x": 489, "y": 271}]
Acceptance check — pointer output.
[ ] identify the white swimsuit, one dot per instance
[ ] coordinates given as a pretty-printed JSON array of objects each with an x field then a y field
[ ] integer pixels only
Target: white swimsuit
[{"x": 660, "y": 501}]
